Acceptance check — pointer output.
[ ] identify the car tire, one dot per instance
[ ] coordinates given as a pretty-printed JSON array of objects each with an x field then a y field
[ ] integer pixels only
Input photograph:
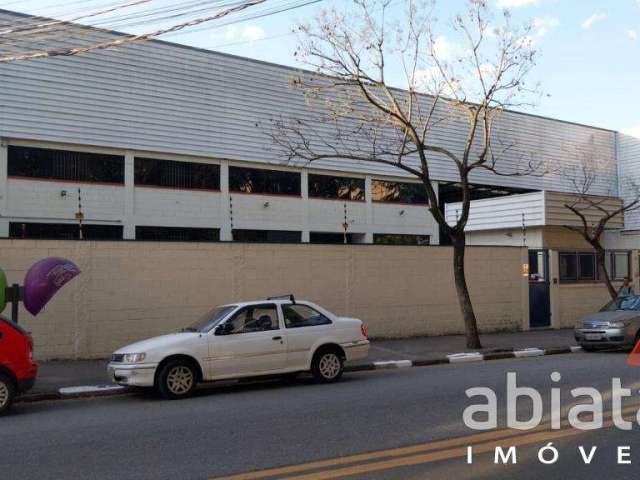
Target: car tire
[
  {"x": 327, "y": 365},
  {"x": 7, "y": 393},
  {"x": 177, "y": 379}
]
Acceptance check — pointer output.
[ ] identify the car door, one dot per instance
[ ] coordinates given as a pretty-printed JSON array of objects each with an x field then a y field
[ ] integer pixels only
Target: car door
[
  {"x": 254, "y": 343},
  {"x": 304, "y": 326}
]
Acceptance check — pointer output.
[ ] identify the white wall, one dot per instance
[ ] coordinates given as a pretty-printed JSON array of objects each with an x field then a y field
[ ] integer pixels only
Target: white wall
[{"x": 33, "y": 200}]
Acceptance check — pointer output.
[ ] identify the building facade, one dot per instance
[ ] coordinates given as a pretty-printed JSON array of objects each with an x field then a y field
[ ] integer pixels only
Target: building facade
[{"x": 161, "y": 141}]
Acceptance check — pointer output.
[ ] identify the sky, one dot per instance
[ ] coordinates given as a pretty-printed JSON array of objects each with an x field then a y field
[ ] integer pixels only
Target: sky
[{"x": 589, "y": 67}]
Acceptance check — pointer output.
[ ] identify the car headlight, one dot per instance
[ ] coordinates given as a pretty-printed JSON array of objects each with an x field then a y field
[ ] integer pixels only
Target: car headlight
[
  {"x": 134, "y": 357},
  {"x": 618, "y": 324}
]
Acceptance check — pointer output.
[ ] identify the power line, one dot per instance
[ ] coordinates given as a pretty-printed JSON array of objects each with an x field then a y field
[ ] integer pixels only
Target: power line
[{"x": 49, "y": 29}]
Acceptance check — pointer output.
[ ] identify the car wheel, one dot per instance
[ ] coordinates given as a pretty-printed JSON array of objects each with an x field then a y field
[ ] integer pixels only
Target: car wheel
[
  {"x": 7, "y": 393},
  {"x": 177, "y": 379},
  {"x": 327, "y": 366}
]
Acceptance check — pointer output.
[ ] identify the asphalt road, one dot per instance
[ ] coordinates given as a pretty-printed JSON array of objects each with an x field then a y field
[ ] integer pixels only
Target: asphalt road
[{"x": 229, "y": 430}]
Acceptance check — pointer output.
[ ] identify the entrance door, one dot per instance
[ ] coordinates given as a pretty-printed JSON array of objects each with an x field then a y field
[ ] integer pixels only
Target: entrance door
[{"x": 539, "y": 295}]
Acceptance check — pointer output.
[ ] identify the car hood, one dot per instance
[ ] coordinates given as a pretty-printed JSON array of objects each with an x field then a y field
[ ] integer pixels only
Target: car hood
[
  {"x": 161, "y": 342},
  {"x": 618, "y": 316}
]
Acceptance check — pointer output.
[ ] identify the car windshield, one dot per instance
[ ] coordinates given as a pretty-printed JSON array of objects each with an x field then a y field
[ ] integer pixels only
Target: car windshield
[
  {"x": 622, "y": 303},
  {"x": 210, "y": 319}
]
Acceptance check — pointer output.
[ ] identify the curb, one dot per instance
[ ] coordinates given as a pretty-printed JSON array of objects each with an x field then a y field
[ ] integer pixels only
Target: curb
[
  {"x": 94, "y": 391},
  {"x": 70, "y": 393},
  {"x": 463, "y": 358}
]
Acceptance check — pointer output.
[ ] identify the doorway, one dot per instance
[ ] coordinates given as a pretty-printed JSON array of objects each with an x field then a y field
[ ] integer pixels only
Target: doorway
[{"x": 539, "y": 289}]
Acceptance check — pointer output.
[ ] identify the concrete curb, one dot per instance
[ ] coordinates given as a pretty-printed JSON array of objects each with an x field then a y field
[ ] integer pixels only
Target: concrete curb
[
  {"x": 463, "y": 358},
  {"x": 92, "y": 391}
]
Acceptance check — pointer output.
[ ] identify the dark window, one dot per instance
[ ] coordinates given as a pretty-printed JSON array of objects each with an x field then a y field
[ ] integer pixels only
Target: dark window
[
  {"x": 620, "y": 262},
  {"x": 177, "y": 234},
  {"x": 169, "y": 173},
  {"x": 255, "y": 180},
  {"x": 398, "y": 192},
  {"x": 255, "y": 318},
  {"x": 267, "y": 236},
  {"x": 64, "y": 231},
  {"x": 296, "y": 316},
  {"x": 343, "y": 188},
  {"x": 324, "y": 237},
  {"x": 582, "y": 266},
  {"x": 65, "y": 165},
  {"x": 400, "y": 239},
  {"x": 586, "y": 266},
  {"x": 568, "y": 267}
]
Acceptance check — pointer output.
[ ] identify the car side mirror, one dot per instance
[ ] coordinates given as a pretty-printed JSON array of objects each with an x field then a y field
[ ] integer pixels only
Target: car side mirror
[{"x": 224, "y": 329}]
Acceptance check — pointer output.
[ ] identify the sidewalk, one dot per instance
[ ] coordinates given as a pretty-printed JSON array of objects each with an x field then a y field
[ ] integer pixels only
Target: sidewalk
[{"x": 71, "y": 373}]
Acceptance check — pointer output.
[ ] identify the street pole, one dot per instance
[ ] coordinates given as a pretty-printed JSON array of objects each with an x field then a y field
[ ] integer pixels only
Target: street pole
[{"x": 14, "y": 295}]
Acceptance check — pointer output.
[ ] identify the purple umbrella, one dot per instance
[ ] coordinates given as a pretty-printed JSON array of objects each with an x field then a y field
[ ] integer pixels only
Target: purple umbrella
[{"x": 44, "y": 279}]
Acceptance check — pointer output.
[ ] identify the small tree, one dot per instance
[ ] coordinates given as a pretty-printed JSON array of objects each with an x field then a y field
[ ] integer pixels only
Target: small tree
[
  {"x": 595, "y": 212},
  {"x": 360, "y": 117}
]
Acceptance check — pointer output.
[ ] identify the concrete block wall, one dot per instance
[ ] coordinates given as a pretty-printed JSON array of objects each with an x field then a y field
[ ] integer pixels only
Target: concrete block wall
[{"x": 132, "y": 290}]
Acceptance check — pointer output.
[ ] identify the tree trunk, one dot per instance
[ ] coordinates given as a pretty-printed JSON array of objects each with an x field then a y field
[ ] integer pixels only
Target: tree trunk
[
  {"x": 470, "y": 323},
  {"x": 602, "y": 267}
]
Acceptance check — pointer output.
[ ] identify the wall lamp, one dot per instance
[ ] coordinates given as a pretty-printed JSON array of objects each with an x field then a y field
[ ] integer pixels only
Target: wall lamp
[
  {"x": 401, "y": 212},
  {"x": 265, "y": 205},
  {"x": 63, "y": 193}
]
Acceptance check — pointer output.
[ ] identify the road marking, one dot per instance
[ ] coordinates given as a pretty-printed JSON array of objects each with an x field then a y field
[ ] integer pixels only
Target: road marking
[
  {"x": 478, "y": 440},
  {"x": 440, "y": 455}
]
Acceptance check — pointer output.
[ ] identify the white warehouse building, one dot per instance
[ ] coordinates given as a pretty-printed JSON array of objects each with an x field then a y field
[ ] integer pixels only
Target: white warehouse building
[{"x": 159, "y": 141}]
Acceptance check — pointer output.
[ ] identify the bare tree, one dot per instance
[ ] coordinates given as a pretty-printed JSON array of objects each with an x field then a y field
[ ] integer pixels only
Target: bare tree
[
  {"x": 596, "y": 212},
  {"x": 460, "y": 85}
]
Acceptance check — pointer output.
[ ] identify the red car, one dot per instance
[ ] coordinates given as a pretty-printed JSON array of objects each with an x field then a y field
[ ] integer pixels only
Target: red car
[{"x": 18, "y": 371}]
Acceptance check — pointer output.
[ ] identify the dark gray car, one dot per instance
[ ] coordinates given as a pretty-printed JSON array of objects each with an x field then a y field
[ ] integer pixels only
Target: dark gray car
[{"x": 617, "y": 324}]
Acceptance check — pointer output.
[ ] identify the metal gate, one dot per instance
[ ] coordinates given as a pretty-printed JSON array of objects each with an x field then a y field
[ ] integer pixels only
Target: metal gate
[{"x": 539, "y": 293}]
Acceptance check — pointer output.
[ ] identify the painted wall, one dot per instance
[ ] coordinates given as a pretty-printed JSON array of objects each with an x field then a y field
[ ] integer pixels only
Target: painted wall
[
  {"x": 131, "y": 290},
  {"x": 29, "y": 200}
]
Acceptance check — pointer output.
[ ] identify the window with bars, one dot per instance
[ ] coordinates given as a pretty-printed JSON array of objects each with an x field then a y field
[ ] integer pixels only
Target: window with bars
[
  {"x": 177, "y": 234},
  {"x": 400, "y": 239},
  {"x": 67, "y": 165},
  {"x": 341, "y": 188},
  {"x": 578, "y": 267},
  {"x": 174, "y": 174},
  {"x": 398, "y": 192},
  {"x": 257, "y": 180},
  {"x": 64, "y": 231},
  {"x": 267, "y": 236}
]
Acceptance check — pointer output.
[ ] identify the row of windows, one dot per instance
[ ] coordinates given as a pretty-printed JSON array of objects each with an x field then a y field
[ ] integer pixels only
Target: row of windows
[
  {"x": 95, "y": 167},
  {"x": 582, "y": 266},
  {"x": 71, "y": 231}
]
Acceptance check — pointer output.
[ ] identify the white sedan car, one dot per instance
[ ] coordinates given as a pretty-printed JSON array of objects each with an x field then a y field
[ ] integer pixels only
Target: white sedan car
[{"x": 264, "y": 337}]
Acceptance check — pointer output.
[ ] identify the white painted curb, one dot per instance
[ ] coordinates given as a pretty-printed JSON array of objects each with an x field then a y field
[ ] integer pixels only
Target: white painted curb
[
  {"x": 528, "y": 352},
  {"x": 393, "y": 364},
  {"x": 89, "y": 389},
  {"x": 465, "y": 357}
]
